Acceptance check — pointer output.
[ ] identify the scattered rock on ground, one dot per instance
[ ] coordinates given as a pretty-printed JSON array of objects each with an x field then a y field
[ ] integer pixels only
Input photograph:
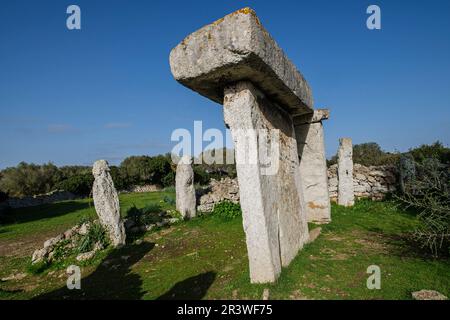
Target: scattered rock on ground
[
  {"x": 17, "y": 276},
  {"x": 428, "y": 295}
]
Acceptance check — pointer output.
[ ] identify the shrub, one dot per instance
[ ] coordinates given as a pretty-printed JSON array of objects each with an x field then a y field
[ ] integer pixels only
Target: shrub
[
  {"x": 96, "y": 234},
  {"x": 168, "y": 180},
  {"x": 370, "y": 154},
  {"x": 29, "y": 179},
  {"x": 145, "y": 216},
  {"x": 60, "y": 251},
  {"x": 79, "y": 184},
  {"x": 435, "y": 151},
  {"x": 227, "y": 210},
  {"x": 428, "y": 192},
  {"x": 169, "y": 200}
]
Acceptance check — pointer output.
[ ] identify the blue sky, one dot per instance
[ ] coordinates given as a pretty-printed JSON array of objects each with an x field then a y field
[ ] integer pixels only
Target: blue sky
[{"x": 106, "y": 91}]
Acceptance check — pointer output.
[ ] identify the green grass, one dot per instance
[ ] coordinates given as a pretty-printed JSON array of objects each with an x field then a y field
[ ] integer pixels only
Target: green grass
[{"x": 206, "y": 258}]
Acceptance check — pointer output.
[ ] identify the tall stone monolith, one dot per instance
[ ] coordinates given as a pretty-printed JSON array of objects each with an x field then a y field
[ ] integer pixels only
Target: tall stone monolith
[
  {"x": 106, "y": 202},
  {"x": 184, "y": 188},
  {"x": 235, "y": 62},
  {"x": 313, "y": 165},
  {"x": 346, "y": 195}
]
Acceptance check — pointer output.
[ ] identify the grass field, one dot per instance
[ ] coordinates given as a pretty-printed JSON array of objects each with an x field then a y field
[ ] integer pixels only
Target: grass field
[{"x": 206, "y": 258}]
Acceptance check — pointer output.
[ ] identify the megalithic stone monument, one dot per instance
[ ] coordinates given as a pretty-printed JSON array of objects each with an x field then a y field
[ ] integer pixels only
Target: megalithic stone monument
[
  {"x": 184, "y": 188},
  {"x": 106, "y": 202},
  {"x": 313, "y": 165},
  {"x": 235, "y": 62},
  {"x": 346, "y": 194}
]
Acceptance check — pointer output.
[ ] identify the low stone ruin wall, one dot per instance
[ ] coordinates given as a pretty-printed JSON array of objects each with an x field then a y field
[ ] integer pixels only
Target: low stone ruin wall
[
  {"x": 51, "y": 197},
  {"x": 226, "y": 189},
  {"x": 372, "y": 182},
  {"x": 142, "y": 189}
]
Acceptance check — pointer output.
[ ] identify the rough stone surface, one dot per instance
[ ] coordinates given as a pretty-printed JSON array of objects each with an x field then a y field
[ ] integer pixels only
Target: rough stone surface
[
  {"x": 184, "y": 187},
  {"x": 346, "y": 195},
  {"x": 428, "y": 295},
  {"x": 316, "y": 116},
  {"x": 373, "y": 182},
  {"x": 272, "y": 204},
  {"x": 235, "y": 48},
  {"x": 90, "y": 254},
  {"x": 314, "y": 234},
  {"x": 226, "y": 189},
  {"x": 313, "y": 167},
  {"x": 106, "y": 201}
]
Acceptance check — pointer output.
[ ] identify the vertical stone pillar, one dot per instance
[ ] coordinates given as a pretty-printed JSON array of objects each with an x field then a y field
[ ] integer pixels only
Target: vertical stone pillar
[
  {"x": 272, "y": 205},
  {"x": 346, "y": 195},
  {"x": 106, "y": 202},
  {"x": 313, "y": 165},
  {"x": 184, "y": 188}
]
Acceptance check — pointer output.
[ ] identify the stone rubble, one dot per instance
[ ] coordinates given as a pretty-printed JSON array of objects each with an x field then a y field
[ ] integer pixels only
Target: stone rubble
[
  {"x": 428, "y": 295},
  {"x": 226, "y": 189}
]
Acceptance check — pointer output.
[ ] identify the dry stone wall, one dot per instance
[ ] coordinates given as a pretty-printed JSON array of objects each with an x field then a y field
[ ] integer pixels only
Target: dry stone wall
[{"x": 372, "y": 182}]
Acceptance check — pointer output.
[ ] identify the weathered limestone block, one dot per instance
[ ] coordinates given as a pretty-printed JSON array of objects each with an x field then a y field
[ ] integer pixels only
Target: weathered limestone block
[
  {"x": 272, "y": 204},
  {"x": 184, "y": 188},
  {"x": 235, "y": 48},
  {"x": 106, "y": 202},
  {"x": 346, "y": 196},
  {"x": 234, "y": 61},
  {"x": 313, "y": 165}
]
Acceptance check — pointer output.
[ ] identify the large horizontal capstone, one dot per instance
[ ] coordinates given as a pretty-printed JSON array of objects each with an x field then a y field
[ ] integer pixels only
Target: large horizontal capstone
[{"x": 235, "y": 48}]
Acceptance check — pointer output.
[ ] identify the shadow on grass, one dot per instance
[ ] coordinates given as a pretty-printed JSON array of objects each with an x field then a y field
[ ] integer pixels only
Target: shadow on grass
[
  {"x": 45, "y": 211},
  {"x": 112, "y": 279},
  {"x": 193, "y": 288}
]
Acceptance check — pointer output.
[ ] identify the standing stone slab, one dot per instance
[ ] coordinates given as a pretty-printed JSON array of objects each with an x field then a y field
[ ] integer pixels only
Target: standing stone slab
[
  {"x": 313, "y": 165},
  {"x": 106, "y": 202},
  {"x": 346, "y": 196},
  {"x": 184, "y": 188},
  {"x": 235, "y": 62},
  {"x": 272, "y": 204}
]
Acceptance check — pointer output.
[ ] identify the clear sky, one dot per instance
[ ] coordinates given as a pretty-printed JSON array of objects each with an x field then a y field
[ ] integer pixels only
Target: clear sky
[{"x": 106, "y": 91}]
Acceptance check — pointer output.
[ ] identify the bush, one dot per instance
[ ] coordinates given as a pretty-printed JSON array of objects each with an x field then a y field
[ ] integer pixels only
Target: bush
[
  {"x": 96, "y": 234},
  {"x": 145, "y": 216},
  {"x": 434, "y": 151},
  {"x": 169, "y": 200},
  {"x": 80, "y": 184},
  {"x": 139, "y": 170},
  {"x": 168, "y": 180},
  {"x": 29, "y": 179},
  {"x": 227, "y": 210},
  {"x": 370, "y": 154},
  {"x": 428, "y": 192}
]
